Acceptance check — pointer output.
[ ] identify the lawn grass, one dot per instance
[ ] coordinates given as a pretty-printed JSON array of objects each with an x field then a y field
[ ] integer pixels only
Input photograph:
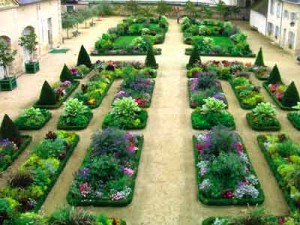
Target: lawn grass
[
  {"x": 123, "y": 41},
  {"x": 224, "y": 42}
]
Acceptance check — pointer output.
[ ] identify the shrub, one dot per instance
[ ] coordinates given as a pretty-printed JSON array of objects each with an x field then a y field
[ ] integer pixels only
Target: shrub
[
  {"x": 66, "y": 74},
  {"x": 9, "y": 130},
  {"x": 213, "y": 105},
  {"x": 290, "y": 96},
  {"x": 264, "y": 109},
  {"x": 150, "y": 58},
  {"x": 274, "y": 77},
  {"x": 195, "y": 57},
  {"x": 47, "y": 96},
  {"x": 259, "y": 61},
  {"x": 125, "y": 107},
  {"x": 30, "y": 218},
  {"x": 84, "y": 58}
]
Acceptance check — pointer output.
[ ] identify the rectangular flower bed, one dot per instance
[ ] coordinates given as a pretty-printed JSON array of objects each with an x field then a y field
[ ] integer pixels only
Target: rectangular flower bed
[
  {"x": 80, "y": 72},
  {"x": 261, "y": 72},
  {"x": 30, "y": 185},
  {"x": 139, "y": 89},
  {"x": 269, "y": 124},
  {"x": 33, "y": 119},
  {"x": 224, "y": 172},
  {"x": 283, "y": 157},
  {"x": 63, "y": 125},
  {"x": 9, "y": 151},
  {"x": 294, "y": 118},
  {"x": 109, "y": 170},
  {"x": 62, "y": 92},
  {"x": 199, "y": 90},
  {"x": 247, "y": 94}
]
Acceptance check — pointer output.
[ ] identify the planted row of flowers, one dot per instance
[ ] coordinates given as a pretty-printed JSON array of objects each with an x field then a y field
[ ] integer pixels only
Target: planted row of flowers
[
  {"x": 109, "y": 169},
  {"x": 30, "y": 185}
]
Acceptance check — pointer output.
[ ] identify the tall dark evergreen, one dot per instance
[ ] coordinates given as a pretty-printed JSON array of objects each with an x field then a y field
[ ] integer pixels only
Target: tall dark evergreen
[
  {"x": 290, "y": 96},
  {"x": 195, "y": 57},
  {"x": 47, "y": 96},
  {"x": 150, "y": 58},
  {"x": 84, "y": 58},
  {"x": 66, "y": 74},
  {"x": 274, "y": 77},
  {"x": 9, "y": 130},
  {"x": 259, "y": 59}
]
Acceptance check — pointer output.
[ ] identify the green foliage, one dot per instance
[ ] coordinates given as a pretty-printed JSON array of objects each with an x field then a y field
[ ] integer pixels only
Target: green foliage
[
  {"x": 21, "y": 179},
  {"x": 7, "y": 55},
  {"x": 9, "y": 130},
  {"x": 150, "y": 58},
  {"x": 213, "y": 105},
  {"x": 50, "y": 148},
  {"x": 73, "y": 107},
  {"x": 132, "y": 6},
  {"x": 84, "y": 58},
  {"x": 7, "y": 209},
  {"x": 126, "y": 108},
  {"x": 162, "y": 7},
  {"x": 195, "y": 57},
  {"x": 290, "y": 96},
  {"x": 65, "y": 74},
  {"x": 29, "y": 42},
  {"x": 32, "y": 117},
  {"x": 47, "y": 96},
  {"x": 264, "y": 109},
  {"x": 259, "y": 61},
  {"x": 274, "y": 77},
  {"x": 30, "y": 218},
  {"x": 256, "y": 216}
]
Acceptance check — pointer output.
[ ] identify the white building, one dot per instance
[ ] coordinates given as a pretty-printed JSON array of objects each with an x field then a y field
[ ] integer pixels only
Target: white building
[
  {"x": 22, "y": 16},
  {"x": 258, "y": 16}
]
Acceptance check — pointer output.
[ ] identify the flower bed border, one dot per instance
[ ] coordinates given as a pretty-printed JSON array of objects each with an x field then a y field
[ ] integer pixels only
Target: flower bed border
[
  {"x": 242, "y": 105},
  {"x": 75, "y": 84},
  {"x": 259, "y": 78},
  {"x": 262, "y": 128},
  {"x": 37, "y": 127},
  {"x": 26, "y": 141},
  {"x": 188, "y": 51},
  {"x": 275, "y": 173},
  {"x": 141, "y": 126},
  {"x": 222, "y": 202},
  {"x": 157, "y": 51},
  {"x": 98, "y": 103},
  {"x": 66, "y": 127},
  {"x": 111, "y": 203},
  {"x": 194, "y": 114},
  {"x": 265, "y": 85},
  {"x": 292, "y": 122}
]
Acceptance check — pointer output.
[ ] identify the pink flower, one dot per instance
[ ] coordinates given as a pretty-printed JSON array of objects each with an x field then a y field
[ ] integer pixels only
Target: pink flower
[
  {"x": 200, "y": 148},
  {"x": 228, "y": 194},
  {"x": 238, "y": 146},
  {"x": 85, "y": 189},
  {"x": 128, "y": 171},
  {"x": 131, "y": 148}
]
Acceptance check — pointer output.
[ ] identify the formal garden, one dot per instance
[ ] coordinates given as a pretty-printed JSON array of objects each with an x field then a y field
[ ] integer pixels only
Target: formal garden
[{"x": 110, "y": 174}]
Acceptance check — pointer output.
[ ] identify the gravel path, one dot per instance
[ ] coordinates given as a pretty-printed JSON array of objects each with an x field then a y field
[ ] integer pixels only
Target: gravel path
[{"x": 166, "y": 191}]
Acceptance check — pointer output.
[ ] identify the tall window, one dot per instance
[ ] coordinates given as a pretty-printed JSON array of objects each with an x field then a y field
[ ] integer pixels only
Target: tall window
[
  {"x": 270, "y": 29},
  {"x": 272, "y": 6},
  {"x": 278, "y": 10},
  {"x": 276, "y": 32},
  {"x": 291, "y": 39},
  {"x": 293, "y": 16},
  {"x": 286, "y": 14}
]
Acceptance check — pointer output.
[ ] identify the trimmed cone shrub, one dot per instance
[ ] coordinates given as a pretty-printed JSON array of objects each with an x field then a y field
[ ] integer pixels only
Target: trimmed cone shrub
[
  {"x": 259, "y": 59},
  {"x": 84, "y": 58},
  {"x": 290, "y": 96},
  {"x": 274, "y": 77},
  {"x": 66, "y": 74},
  {"x": 47, "y": 96},
  {"x": 150, "y": 58},
  {"x": 194, "y": 57},
  {"x": 8, "y": 129}
]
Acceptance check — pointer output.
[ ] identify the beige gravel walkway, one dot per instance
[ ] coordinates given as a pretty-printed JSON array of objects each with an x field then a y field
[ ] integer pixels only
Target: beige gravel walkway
[{"x": 166, "y": 191}]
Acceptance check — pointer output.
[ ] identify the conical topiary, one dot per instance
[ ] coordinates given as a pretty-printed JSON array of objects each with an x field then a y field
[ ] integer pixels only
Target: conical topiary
[
  {"x": 84, "y": 58},
  {"x": 150, "y": 58},
  {"x": 47, "y": 96},
  {"x": 274, "y": 77},
  {"x": 9, "y": 130},
  {"x": 290, "y": 96},
  {"x": 259, "y": 59},
  {"x": 195, "y": 57},
  {"x": 66, "y": 74}
]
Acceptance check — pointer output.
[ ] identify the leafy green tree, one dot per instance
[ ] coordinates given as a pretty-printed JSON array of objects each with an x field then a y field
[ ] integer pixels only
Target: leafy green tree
[
  {"x": 190, "y": 8},
  {"x": 84, "y": 58},
  {"x": 132, "y": 6},
  {"x": 68, "y": 22},
  {"x": 290, "y": 96},
  {"x": 223, "y": 10},
  {"x": 29, "y": 42},
  {"x": 47, "y": 96},
  {"x": 6, "y": 56},
  {"x": 162, "y": 8}
]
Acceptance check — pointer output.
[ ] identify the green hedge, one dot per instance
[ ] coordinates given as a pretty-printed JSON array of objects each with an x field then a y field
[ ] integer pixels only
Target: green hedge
[
  {"x": 108, "y": 202},
  {"x": 58, "y": 104},
  {"x": 21, "y": 126},
  {"x": 222, "y": 202},
  {"x": 291, "y": 118},
  {"x": 157, "y": 51},
  {"x": 259, "y": 127},
  {"x": 143, "y": 116},
  {"x": 62, "y": 126},
  {"x": 188, "y": 51},
  {"x": 26, "y": 139},
  {"x": 265, "y": 85}
]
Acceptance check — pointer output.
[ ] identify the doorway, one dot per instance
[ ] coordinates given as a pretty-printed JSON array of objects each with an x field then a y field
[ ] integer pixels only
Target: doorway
[{"x": 50, "y": 36}]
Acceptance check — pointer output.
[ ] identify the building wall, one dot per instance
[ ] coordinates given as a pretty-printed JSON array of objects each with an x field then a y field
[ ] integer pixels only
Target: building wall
[
  {"x": 15, "y": 20},
  {"x": 258, "y": 22}
]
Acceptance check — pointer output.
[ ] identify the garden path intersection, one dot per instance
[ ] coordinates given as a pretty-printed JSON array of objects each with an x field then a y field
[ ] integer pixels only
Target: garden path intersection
[{"x": 166, "y": 191}]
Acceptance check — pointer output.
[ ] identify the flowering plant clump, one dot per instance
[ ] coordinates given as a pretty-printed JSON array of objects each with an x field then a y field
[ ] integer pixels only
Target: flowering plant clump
[
  {"x": 32, "y": 118},
  {"x": 224, "y": 169},
  {"x": 62, "y": 89},
  {"x": 261, "y": 72},
  {"x": 108, "y": 171}
]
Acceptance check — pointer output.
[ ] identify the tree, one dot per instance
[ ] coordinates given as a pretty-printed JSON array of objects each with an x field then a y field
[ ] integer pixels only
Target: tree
[
  {"x": 146, "y": 11},
  {"x": 6, "y": 57},
  {"x": 190, "y": 9},
  {"x": 162, "y": 8},
  {"x": 47, "y": 96},
  {"x": 150, "y": 58},
  {"x": 223, "y": 9},
  {"x": 132, "y": 6},
  {"x": 65, "y": 74},
  {"x": 84, "y": 58},
  {"x": 195, "y": 57},
  {"x": 68, "y": 22},
  {"x": 9, "y": 130},
  {"x": 290, "y": 96},
  {"x": 259, "y": 61},
  {"x": 29, "y": 42},
  {"x": 274, "y": 77},
  {"x": 207, "y": 11}
]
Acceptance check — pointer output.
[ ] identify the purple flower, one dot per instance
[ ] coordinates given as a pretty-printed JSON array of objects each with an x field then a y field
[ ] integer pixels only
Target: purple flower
[
  {"x": 5, "y": 142},
  {"x": 84, "y": 172},
  {"x": 66, "y": 83},
  {"x": 120, "y": 94}
]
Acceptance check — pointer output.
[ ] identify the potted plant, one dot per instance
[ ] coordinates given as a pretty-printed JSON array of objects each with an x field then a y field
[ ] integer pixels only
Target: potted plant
[
  {"x": 29, "y": 42},
  {"x": 7, "y": 55}
]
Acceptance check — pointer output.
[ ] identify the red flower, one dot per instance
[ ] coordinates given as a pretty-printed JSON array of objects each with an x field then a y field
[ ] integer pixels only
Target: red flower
[
  {"x": 228, "y": 194},
  {"x": 200, "y": 148},
  {"x": 273, "y": 87},
  {"x": 140, "y": 101},
  {"x": 279, "y": 95},
  {"x": 281, "y": 220},
  {"x": 238, "y": 146}
]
